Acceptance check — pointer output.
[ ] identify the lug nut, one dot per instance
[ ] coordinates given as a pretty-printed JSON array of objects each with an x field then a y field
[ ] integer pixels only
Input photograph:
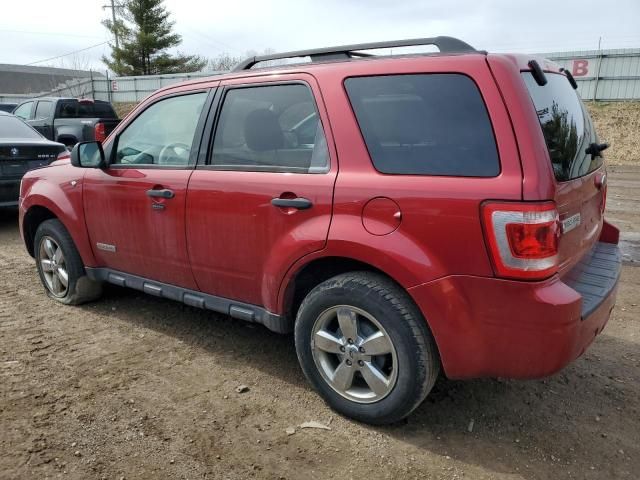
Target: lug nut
[
  {"x": 361, "y": 363},
  {"x": 349, "y": 362},
  {"x": 361, "y": 349},
  {"x": 350, "y": 341},
  {"x": 342, "y": 349}
]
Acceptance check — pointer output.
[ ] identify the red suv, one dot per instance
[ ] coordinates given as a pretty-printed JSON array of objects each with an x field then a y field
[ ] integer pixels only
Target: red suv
[{"x": 400, "y": 214}]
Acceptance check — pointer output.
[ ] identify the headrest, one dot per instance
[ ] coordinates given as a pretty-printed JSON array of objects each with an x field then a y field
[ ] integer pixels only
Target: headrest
[{"x": 262, "y": 131}]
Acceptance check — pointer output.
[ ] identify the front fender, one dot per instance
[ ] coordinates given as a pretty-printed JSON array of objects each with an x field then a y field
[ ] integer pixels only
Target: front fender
[{"x": 59, "y": 190}]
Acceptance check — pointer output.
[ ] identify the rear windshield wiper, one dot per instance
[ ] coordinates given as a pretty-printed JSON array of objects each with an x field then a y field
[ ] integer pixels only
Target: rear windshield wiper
[{"x": 572, "y": 80}]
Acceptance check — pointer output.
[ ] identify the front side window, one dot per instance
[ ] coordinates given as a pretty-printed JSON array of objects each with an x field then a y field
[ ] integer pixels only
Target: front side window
[
  {"x": 425, "y": 124},
  {"x": 43, "y": 109},
  {"x": 24, "y": 111},
  {"x": 162, "y": 134},
  {"x": 270, "y": 128}
]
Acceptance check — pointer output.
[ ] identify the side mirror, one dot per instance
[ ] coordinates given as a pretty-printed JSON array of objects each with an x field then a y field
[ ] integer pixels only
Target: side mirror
[{"x": 88, "y": 155}]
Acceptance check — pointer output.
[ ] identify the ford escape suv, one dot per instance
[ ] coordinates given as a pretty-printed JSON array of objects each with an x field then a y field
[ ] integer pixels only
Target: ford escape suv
[{"x": 402, "y": 215}]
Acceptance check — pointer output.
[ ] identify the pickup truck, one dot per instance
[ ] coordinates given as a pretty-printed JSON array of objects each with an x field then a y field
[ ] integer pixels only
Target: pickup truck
[{"x": 69, "y": 120}]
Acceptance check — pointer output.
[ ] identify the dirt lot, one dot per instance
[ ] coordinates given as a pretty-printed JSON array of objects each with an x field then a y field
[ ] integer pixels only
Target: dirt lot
[{"x": 135, "y": 387}]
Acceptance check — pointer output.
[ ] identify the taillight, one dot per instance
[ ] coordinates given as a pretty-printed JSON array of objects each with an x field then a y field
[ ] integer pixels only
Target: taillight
[
  {"x": 522, "y": 238},
  {"x": 100, "y": 132}
]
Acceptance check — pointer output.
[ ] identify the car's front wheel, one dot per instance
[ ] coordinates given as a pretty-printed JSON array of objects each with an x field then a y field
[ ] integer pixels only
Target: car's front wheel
[
  {"x": 60, "y": 266},
  {"x": 365, "y": 347}
]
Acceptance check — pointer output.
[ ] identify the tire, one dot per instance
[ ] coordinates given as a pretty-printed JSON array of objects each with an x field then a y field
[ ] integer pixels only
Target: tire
[
  {"x": 380, "y": 311},
  {"x": 56, "y": 258}
]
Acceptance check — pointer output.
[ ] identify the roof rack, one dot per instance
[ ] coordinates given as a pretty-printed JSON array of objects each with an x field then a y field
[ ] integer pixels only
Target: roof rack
[{"x": 444, "y": 44}]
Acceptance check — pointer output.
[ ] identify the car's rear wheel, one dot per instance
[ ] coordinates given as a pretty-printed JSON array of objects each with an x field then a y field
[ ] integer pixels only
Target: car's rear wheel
[
  {"x": 60, "y": 265},
  {"x": 365, "y": 347}
]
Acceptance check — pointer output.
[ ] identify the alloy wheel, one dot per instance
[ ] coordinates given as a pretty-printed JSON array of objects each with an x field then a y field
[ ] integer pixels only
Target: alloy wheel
[
  {"x": 354, "y": 354},
  {"x": 54, "y": 268}
]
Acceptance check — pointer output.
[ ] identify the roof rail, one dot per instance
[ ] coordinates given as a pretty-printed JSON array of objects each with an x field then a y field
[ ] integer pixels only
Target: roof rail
[{"x": 444, "y": 44}]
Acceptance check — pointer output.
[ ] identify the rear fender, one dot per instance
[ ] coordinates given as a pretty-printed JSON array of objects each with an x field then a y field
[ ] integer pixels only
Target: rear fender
[
  {"x": 68, "y": 132},
  {"x": 398, "y": 255}
]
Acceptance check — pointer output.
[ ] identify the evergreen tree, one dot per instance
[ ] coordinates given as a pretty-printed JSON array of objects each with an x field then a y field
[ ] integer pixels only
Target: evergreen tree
[{"x": 144, "y": 34}]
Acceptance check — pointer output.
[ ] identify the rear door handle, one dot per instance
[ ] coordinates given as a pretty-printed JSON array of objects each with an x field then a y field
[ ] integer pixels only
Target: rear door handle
[
  {"x": 164, "y": 193},
  {"x": 300, "y": 203}
]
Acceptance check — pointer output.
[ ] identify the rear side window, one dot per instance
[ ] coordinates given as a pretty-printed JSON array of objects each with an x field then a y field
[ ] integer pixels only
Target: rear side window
[
  {"x": 429, "y": 124},
  {"x": 566, "y": 126},
  {"x": 43, "y": 110},
  {"x": 270, "y": 129},
  {"x": 76, "y": 109}
]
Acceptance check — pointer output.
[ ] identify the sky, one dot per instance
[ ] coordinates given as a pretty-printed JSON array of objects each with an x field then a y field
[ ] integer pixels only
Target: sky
[{"x": 32, "y": 31}]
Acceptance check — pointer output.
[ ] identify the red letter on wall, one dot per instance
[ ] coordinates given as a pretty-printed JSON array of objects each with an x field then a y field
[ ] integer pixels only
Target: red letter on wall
[{"x": 580, "y": 68}]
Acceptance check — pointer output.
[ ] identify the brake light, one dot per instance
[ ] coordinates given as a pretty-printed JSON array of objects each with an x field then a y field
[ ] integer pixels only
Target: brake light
[
  {"x": 100, "y": 132},
  {"x": 522, "y": 238}
]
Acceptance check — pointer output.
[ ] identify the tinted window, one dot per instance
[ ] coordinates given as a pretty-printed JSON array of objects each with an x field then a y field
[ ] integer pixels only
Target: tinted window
[
  {"x": 43, "y": 110},
  {"x": 76, "y": 109},
  {"x": 163, "y": 133},
  {"x": 24, "y": 111},
  {"x": 435, "y": 124},
  {"x": 272, "y": 128},
  {"x": 566, "y": 126},
  {"x": 11, "y": 127},
  {"x": 7, "y": 107}
]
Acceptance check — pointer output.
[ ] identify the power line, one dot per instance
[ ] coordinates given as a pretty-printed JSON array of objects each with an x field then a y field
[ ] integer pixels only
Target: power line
[
  {"x": 49, "y": 33},
  {"x": 67, "y": 54}
]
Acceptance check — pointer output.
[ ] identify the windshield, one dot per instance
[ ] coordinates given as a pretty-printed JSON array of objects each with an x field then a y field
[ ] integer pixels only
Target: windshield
[
  {"x": 12, "y": 127},
  {"x": 566, "y": 125}
]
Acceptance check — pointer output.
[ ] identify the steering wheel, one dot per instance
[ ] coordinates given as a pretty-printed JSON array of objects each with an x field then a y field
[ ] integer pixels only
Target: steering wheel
[{"x": 176, "y": 153}]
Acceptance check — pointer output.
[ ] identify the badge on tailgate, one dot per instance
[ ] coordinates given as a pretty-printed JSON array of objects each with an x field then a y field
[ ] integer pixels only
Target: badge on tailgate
[{"x": 570, "y": 223}]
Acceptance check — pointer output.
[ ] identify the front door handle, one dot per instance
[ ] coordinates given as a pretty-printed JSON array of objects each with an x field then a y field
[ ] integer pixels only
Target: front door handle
[
  {"x": 300, "y": 203},
  {"x": 164, "y": 193}
]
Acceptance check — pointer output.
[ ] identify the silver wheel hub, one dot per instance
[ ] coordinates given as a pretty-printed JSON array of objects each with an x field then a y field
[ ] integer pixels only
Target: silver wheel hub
[
  {"x": 53, "y": 265},
  {"x": 354, "y": 354}
]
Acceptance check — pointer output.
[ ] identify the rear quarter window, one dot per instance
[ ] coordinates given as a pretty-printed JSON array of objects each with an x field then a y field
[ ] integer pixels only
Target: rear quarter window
[{"x": 425, "y": 124}]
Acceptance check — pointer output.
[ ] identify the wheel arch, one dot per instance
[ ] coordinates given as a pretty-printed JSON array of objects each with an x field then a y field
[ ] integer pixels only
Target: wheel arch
[
  {"x": 32, "y": 220},
  {"x": 315, "y": 271}
]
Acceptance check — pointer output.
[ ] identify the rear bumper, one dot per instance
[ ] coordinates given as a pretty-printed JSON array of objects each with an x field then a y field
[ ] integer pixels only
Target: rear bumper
[
  {"x": 488, "y": 327},
  {"x": 9, "y": 192}
]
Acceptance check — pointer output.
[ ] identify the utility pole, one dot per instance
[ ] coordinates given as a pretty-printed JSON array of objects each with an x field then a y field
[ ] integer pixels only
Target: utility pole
[{"x": 113, "y": 7}]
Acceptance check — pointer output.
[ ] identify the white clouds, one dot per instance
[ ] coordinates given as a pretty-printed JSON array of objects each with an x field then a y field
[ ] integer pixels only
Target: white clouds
[{"x": 212, "y": 27}]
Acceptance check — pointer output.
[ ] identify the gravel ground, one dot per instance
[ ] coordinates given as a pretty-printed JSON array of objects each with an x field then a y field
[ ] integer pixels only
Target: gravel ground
[{"x": 136, "y": 387}]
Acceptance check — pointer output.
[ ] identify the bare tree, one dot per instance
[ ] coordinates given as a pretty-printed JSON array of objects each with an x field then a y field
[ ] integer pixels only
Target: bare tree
[
  {"x": 222, "y": 62},
  {"x": 80, "y": 85}
]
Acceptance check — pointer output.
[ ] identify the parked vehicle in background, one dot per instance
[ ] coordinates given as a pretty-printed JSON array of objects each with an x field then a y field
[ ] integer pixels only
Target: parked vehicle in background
[
  {"x": 21, "y": 149},
  {"x": 7, "y": 107},
  {"x": 69, "y": 120},
  {"x": 464, "y": 228}
]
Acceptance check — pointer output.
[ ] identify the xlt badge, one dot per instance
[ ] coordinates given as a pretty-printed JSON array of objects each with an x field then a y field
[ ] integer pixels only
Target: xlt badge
[
  {"x": 106, "y": 247},
  {"x": 570, "y": 223}
]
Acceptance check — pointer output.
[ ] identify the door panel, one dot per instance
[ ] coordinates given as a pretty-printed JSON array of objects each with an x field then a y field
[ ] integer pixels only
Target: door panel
[
  {"x": 239, "y": 242},
  {"x": 135, "y": 209},
  {"x": 147, "y": 233},
  {"x": 265, "y": 197}
]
